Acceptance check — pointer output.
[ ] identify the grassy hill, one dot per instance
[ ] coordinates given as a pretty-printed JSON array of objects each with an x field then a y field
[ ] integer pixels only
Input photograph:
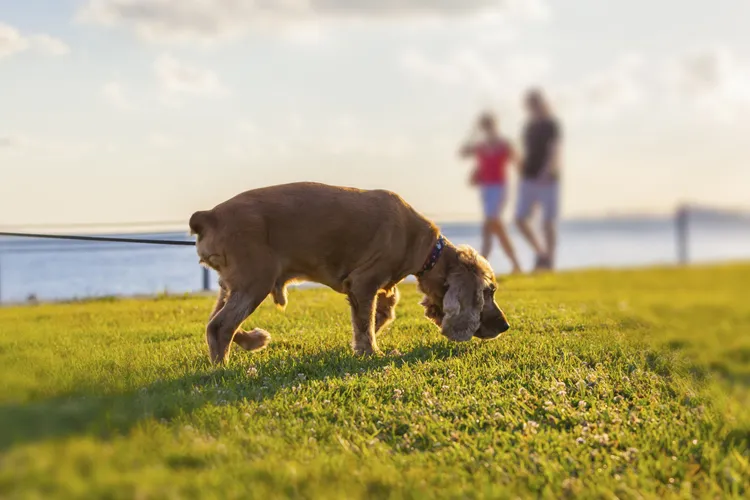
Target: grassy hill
[{"x": 633, "y": 383}]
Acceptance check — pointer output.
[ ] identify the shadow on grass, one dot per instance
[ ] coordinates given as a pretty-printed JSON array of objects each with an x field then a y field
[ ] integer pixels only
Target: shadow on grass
[
  {"x": 738, "y": 439},
  {"x": 116, "y": 414}
]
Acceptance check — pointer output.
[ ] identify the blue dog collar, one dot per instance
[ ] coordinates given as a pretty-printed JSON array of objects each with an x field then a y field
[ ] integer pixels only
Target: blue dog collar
[{"x": 431, "y": 262}]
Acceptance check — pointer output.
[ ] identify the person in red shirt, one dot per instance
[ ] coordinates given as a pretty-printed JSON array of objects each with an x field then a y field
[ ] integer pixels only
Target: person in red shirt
[{"x": 492, "y": 154}]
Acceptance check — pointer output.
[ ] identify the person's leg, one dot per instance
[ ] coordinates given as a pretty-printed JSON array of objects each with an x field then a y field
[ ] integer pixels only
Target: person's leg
[
  {"x": 526, "y": 201},
  {"x": 497, "y": 227},
  {"x": 550, "y": 236},
  {"x": 486, "y": 238},
  {"x": 490, "y": 198},
  {"x": 506, "y": 244},
  {"x": 550, "y": 206}
]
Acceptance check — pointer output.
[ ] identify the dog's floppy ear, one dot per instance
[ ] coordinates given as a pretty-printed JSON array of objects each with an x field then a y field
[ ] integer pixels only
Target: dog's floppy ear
[
  {"x": 432, "y": 311},
  {"x": 462, "y": 305}
]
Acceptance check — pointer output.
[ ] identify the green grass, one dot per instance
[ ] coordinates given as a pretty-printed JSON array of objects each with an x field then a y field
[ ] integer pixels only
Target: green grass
[{"x": 634, "y": 384}]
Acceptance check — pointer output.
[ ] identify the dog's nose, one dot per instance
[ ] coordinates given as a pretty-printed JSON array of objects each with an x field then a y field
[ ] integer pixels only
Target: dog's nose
[
  {"x": 502, "y": 325},
  {"x": 493, "y": 328}
]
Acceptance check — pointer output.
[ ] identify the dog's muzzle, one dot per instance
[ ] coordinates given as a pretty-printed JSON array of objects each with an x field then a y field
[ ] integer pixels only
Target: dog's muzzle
[{"x": 493, "y": 327}]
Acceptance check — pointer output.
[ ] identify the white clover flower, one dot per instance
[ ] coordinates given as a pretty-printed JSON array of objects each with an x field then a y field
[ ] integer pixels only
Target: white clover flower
[{"x": 602, "y": 438}]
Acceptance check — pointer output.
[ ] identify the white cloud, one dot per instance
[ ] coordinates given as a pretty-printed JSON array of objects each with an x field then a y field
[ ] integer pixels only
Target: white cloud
[
  {"x": 49, "y": 45},
  {"x": 18, "y": 144},
  {"x": 502, "y": 32},
  {"x": 502, "y": 76},
  {"x": 249, "y": 142},
  {"x": 204, "y": 20},
  {"x": 531, "y": 9},
  {"x": 606, "y": 93},
  {"x": 339, "y": 135},
  {"x": 419, "y": 65},
  {"x": 163, "y": 141},
  {"x": 12, "y": 41},
  {"x": 11, "y": 142},
  {"x": 114, "y": 94},
  {"x": 711, "y": 79},
  {"x": 176, "y": 77}
]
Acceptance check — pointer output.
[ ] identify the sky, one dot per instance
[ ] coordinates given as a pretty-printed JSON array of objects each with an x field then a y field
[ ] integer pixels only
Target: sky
[{"x": 148, "y": 110}]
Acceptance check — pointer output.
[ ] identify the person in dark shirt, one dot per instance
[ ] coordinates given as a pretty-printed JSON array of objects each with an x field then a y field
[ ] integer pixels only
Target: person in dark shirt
[{"x": 540, "y": 176}]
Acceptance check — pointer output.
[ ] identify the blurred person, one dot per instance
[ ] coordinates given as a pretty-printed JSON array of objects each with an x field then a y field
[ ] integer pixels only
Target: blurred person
[
  {"x": 540, "y": 176},
  {"x": 492, "y": 153}
]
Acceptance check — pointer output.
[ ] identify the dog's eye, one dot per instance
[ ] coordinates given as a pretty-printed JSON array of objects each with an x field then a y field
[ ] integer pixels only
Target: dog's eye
[{"x": 492, "y": 289}]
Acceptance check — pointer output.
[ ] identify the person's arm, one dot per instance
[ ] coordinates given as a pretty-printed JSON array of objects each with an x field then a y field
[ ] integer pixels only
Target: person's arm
[
  {"x": 553, "y": 163},
  {"x": 470, "y": 145},
  {"x": 514, "y": 157},
  {"x": 552, "y": 168},
  {"x": 467, "y": 150}
]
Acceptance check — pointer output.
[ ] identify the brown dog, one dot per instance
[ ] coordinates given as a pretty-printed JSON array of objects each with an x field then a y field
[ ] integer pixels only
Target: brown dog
[{"x": 359, "y": 243}]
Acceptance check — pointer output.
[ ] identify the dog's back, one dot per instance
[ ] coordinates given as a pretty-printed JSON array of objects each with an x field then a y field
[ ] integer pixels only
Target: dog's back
[{"x": 309, "y": 227}]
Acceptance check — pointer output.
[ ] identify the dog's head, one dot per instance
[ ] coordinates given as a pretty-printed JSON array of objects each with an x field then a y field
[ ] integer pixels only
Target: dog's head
[{"x": 468, "y": 307}]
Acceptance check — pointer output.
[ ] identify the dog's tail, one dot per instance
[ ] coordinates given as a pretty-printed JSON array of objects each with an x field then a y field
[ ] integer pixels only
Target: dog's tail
[{"x": 200, "y": 222}]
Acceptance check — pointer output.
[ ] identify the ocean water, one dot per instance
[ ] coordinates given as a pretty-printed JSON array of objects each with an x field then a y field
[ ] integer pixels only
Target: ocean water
[{"x": 59, "y": 270}]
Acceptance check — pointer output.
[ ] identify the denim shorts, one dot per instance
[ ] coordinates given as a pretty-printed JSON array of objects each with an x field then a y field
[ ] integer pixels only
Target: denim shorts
[
  {"x": 493, "y": 199},
  {"x": 544, "y": 194}
]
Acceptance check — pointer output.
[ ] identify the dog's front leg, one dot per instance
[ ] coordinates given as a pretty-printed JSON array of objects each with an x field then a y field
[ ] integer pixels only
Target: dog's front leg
[
  {"x": 211, "y": 338},
  {"x": 221, "y": 299},
  {"x": 362, "y": 303}
]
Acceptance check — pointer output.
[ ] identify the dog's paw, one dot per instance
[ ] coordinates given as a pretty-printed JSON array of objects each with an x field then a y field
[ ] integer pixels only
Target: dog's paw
[
  {"x": 218, "y": 359},
  {"x": 367, "y": 351},
  {"x": 214, "y": 350},
  {"x": 254, "y": 340}
]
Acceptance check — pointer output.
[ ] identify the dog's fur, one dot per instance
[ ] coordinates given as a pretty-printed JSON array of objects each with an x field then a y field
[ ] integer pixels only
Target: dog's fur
[{"x": 359, "y": 243}]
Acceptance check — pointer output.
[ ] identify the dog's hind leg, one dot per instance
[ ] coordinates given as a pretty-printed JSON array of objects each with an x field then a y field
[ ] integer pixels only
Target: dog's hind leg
[
  {"x": 254, "y": 340},
  {"x": 221, "y": 329},
  {"x": 279, "y": 294},
  {"x": 385, "y": 308},
  {"x": 362, "y": 301},
  {"x": 257, "y": 339}
]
